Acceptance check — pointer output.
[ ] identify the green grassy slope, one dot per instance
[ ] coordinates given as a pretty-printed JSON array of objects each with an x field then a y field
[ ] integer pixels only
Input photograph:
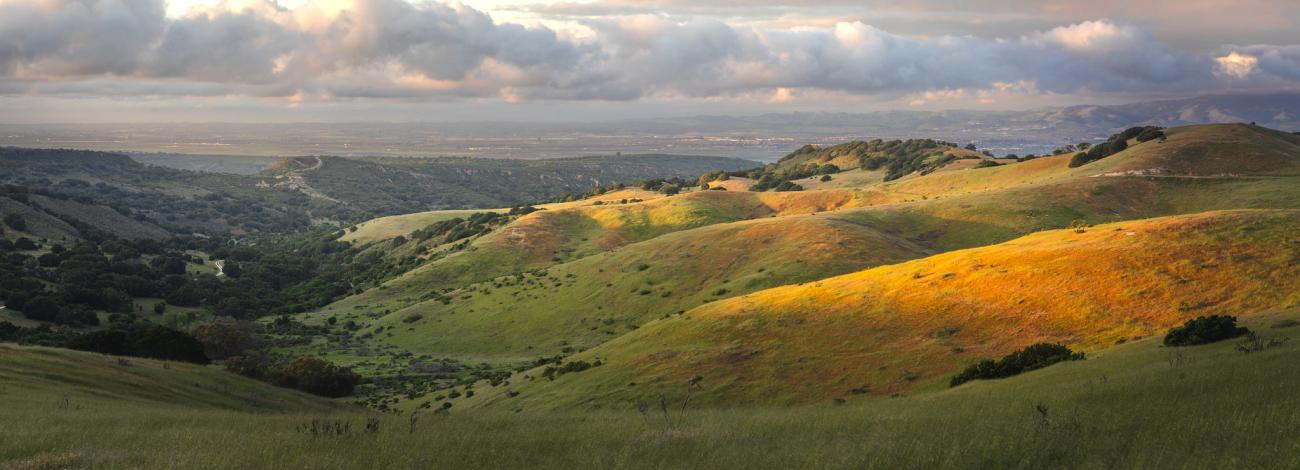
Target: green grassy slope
[
  {"x": 582, "y": 303},
  {"x": 1133, "y": 406},
  {"x": 44, "y": 380}
]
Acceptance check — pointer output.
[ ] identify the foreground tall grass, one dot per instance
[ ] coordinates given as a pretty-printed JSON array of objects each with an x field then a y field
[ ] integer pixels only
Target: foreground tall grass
[{"x": 1135, "y": 406}]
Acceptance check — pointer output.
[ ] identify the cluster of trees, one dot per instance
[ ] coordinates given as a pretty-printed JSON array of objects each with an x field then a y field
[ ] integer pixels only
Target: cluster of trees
[
  {"x": 16, "y": 222},
  {"x": 1116, "y": 144},
  {"x": 779, "y": 178},
  {"x": 457, "y": 228},
  {"x": 140, "y": 192},
  {"x": 900, "y": 158},
  {"x": 710, "y": 177},
  {"x": 142, "y": 339},
  {"x": 668, "y": 186},
  {"x": 309, "y": 374},
  {"x": 1033, "y": 357},
  {"x": 769, "y": 181},
  {"x": 283, "y": 274}
]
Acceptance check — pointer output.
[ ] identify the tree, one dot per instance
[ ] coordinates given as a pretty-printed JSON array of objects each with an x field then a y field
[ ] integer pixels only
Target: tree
[
  {"x": 231, "y": 269},
  {"x": 318, "y": 377},
  {"x": 165, "y": 343},
  {"x": 224, "y": 337},
  {"x": 41, "y": 308},
  {"x": 16, "y": 222},
  {"x": 113, "y": 342}
]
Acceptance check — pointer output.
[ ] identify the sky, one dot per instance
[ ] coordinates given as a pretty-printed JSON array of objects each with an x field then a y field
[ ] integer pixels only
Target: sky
[{"x": 396, "y": 60}]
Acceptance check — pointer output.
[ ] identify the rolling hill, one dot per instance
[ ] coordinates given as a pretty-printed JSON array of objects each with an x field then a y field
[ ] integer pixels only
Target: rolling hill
[
  {"x": 570, "y": 278},
  {"x": 898, "y": 327}
]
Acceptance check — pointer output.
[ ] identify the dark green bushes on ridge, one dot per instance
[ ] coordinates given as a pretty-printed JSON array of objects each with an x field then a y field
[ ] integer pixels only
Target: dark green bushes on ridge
[
  {"x": 1115, "y": 144},
  {"x": 1036, "y": 356},
  {"x": 1205, "y": 330}
]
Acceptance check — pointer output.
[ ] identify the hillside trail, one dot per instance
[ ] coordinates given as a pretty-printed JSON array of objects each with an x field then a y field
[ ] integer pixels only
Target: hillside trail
[{"x": 296, "y": 180}]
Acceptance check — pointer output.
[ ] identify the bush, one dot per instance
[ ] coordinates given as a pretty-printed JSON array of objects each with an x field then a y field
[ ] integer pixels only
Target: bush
[
  {"x": 1205, "y": 330},
  {"x": 1036, "y": 356}
]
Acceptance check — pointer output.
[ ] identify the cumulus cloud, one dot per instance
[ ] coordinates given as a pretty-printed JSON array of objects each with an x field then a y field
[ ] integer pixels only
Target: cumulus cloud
[{"x": 392, "y": 49}]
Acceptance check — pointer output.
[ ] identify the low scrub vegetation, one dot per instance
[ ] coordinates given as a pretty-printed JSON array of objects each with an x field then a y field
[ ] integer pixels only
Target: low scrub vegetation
[
  {"x": 1205, "y": 330},
  {"x": 1030, "y": 358}
]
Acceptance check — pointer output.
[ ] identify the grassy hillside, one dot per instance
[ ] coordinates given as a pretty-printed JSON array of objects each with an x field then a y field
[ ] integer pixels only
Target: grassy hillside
[
  {"x": 898, "y": 327},
  {"x": 385, "y": 228},
  {"x": 566, "y": 279},
  {"x": 582, "y": 303},
  {"x": 1096, "y": 413},
  {"x": 36, "y": 379}
]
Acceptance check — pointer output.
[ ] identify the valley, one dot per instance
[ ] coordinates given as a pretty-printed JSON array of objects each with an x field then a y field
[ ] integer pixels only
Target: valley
[{"x": 660, "y": 311}]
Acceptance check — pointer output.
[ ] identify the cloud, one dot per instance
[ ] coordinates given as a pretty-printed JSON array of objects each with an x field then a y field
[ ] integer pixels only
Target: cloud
[
  {"x": 1237, "y": 65},
  {"x": 392, "y": 49}
]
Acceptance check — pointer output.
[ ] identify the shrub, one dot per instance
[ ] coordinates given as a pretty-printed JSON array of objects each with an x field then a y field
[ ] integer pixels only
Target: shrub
[
  {"x": 987, "y": 164},
  {"x": 1036, "y": 356},
  {"x": 1255, "y": 343},
  {"x": 1205, "y": 330},
  {"x": 825, "y": 178}
]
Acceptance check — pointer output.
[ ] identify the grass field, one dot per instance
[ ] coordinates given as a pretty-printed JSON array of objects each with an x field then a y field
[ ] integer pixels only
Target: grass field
[{"x": 1138, "y": 405}]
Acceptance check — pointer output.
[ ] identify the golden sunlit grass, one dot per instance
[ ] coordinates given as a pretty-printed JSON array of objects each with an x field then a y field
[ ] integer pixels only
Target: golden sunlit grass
[{"x": 903, "y": 326}]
